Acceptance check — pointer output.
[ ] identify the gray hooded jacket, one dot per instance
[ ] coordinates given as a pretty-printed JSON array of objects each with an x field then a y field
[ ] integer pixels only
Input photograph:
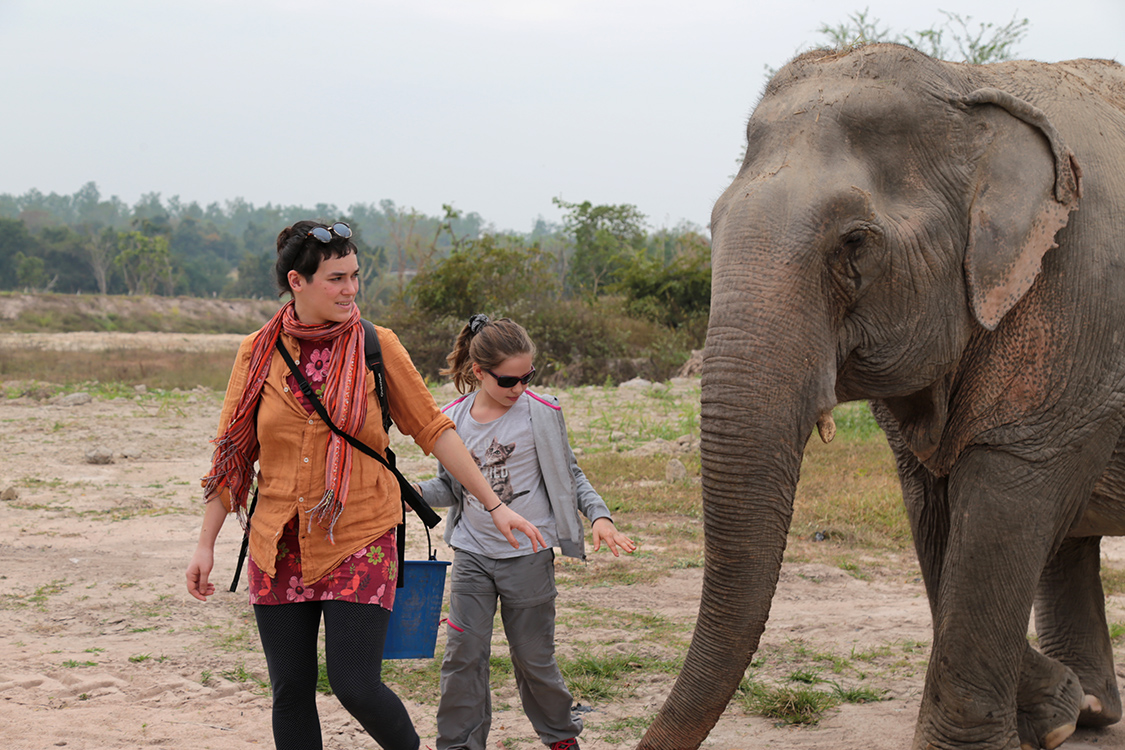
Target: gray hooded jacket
[{"x": 568, "y": 490}]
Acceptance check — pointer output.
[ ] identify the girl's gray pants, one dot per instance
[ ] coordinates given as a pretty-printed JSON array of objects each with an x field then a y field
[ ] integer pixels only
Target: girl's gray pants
[{"x": 525, "y": 587}]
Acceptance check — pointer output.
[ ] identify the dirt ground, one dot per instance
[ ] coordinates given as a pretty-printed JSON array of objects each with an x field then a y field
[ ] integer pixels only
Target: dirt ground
[{"x": 101, "y": 647}]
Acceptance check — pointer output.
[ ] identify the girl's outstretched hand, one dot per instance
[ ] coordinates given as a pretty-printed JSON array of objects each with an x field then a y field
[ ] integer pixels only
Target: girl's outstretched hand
[
  {"x": 507, "y": 521},
  {"x": 604, "y": 529}
]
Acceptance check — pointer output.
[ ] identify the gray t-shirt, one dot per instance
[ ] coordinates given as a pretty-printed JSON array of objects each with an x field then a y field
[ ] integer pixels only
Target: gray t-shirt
[{"x": 504, "y": 449}]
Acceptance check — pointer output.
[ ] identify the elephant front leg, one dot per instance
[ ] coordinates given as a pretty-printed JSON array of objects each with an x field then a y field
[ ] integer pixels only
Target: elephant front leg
[
  {"x": 1001, "y": 529},
  {"x": 1071, "y": 625}
]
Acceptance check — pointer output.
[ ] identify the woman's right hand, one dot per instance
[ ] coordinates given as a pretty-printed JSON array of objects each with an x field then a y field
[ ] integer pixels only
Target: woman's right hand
[
  {"x": 507, "y": 521},
  {"x": 199, "y": 569},
  {"x": 198, "y": 572}
]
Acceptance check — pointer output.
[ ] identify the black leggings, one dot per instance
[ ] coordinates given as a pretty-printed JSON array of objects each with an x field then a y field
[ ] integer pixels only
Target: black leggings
[{"x": 353, "y": 644}]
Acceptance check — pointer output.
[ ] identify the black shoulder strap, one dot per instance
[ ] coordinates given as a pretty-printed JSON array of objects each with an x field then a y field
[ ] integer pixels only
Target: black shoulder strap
[
  {"x": 373, "y": 353},
  {"x": 409, "y": 496},
  {"x": 245, "y": 541}
]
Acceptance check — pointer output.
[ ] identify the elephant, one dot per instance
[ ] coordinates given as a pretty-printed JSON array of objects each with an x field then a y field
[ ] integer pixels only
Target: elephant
[{"x": 945, "y": 241}]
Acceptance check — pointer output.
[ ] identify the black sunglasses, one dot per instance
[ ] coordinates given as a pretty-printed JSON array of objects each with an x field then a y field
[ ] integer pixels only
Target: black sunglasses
[
  {"x": 509, "y": 381},
  {"x": 324, "y": 234}
]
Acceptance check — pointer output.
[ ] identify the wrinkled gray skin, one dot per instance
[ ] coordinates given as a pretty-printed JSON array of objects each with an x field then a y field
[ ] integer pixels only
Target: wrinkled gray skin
[{"x": 891, "y": 236}]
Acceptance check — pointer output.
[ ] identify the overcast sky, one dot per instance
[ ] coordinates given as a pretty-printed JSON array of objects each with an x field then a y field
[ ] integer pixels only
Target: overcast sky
[{"x": 495, "y": 106}]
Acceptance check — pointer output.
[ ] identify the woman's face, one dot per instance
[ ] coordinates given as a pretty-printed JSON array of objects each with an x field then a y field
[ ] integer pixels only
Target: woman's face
[
  {"x": 517, "y": 366},
  {"x": 330, "y": 294}
]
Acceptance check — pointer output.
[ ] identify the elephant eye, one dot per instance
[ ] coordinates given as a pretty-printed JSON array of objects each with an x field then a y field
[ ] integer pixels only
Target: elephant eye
[
  {"x": 849, "y": 258},
  {"x": 854, "y": 239},
  {"x": 849, "y": 245}
]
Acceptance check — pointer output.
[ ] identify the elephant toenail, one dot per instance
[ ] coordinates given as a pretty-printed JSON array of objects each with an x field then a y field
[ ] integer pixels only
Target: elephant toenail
[{"x": 1058, "y": 735}]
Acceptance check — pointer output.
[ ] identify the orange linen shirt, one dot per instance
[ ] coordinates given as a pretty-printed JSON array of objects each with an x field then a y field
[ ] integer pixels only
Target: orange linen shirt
[{"x": 294, "y": 453}]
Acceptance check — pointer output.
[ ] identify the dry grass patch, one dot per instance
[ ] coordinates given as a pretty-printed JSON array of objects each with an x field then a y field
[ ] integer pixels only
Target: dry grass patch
[
  {"x": 849, "y": 500},
  {"x": 849, "y": 489},
  {"x": 154, "y": 369},
  {"x": 637, "y": 484},
  {"x": 664, "y": 518}
]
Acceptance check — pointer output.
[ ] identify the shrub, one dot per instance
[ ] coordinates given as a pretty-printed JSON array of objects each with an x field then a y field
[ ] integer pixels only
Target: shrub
[
  {"x": 676, "y": 295},
  {"x": 490, "y": 273},
  {"x": 579, "y": 343}
]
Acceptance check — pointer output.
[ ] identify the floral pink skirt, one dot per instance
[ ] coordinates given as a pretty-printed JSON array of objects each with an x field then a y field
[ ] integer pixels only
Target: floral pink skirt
[{"x": 367, "y": 577}]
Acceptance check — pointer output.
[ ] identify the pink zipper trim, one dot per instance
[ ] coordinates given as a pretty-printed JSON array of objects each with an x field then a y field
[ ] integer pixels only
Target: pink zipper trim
[
  {"x": 530, "y": 394},
  {"x": 451, "y": 404},
  {"x": 543, "y": 401}
]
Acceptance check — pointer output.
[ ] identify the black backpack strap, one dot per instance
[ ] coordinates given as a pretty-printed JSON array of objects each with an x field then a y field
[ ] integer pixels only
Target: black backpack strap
[
  {"x": 407, "y": 493},
  {"x": 245, "y": 541},
  {"x": 412, "y": 498},
  {"x": 373, "y": 353}
]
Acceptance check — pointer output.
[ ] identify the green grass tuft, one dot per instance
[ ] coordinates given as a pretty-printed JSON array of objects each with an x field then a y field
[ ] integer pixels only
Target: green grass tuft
[{"x": 789, "y": 705}]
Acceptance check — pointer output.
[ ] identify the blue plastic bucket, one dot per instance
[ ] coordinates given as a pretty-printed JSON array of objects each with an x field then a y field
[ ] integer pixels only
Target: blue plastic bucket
[{"x": 412, "y": 633}]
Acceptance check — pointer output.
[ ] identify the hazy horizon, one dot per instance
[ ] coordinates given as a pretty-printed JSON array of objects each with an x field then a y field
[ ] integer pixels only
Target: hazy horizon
[{"x": 495, "y": 107}]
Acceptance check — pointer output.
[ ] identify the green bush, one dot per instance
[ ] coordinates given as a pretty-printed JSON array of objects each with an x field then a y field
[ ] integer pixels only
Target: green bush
[
  {"x": 489, "y": 273},
  {"x": 428, "y": 338},
  {"x": 649, "y": 333},
  {"x": 579, "y": 343},
  {"x": 674, "y": 295}
]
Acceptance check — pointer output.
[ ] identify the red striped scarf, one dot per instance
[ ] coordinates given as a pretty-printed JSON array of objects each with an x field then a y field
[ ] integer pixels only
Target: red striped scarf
[{"x": 236, "y": 450}]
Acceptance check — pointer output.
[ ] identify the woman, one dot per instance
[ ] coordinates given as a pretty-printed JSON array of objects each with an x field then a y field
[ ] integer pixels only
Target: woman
[{"x": 322, "y": 535}]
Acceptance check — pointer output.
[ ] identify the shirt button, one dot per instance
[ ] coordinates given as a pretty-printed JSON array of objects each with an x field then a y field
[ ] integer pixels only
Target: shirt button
[
  {"x": 300, "y": 499},
  {"x": 310, "y": 421},
  {"x": 306, "y": 459}
]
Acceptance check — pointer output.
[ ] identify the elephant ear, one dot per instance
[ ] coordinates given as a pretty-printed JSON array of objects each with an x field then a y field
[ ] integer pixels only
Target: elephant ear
[{"x": 1027, "y": 183}]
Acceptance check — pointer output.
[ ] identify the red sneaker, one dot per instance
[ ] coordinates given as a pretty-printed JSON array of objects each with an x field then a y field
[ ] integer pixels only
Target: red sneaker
[{"x": 571, "y": 744}]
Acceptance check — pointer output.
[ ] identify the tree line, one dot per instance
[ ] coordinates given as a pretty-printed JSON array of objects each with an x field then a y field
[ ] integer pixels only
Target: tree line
[
  {"x": 82, "y": 243},
  {"x": 599, "y": 285},
  {"x": 86, "y": 243}
]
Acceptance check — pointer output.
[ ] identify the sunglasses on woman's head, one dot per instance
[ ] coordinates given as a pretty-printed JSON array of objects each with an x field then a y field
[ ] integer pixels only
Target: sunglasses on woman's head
[
  {"x": 324, "y": 234},
  {"x": 509, "y": 381}
]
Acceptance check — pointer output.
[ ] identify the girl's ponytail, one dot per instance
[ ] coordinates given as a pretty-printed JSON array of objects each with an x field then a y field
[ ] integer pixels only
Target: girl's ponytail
[
  {"x": 486, "y": 343},
  {"x": 458, "y": 364}
]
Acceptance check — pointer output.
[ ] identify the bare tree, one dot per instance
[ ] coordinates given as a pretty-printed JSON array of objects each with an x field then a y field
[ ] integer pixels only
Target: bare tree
[
  {"x": 987, "y": 43},
  {"x": 99, "y": 249},
  {"x": 410, "y": 244}
]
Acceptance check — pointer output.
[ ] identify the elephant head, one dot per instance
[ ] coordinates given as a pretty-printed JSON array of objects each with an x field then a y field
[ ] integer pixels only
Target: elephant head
[{"x": 889, "y": 211}]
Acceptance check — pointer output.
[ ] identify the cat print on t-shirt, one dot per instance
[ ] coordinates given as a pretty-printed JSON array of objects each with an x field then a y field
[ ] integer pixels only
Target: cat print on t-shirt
[
  {"x": 495, "y": 470},
  {"x": 504, "y": 451}
]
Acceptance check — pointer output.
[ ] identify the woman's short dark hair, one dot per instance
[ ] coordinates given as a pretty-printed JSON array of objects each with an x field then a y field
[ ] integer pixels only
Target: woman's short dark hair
[{"x": 297, "y": 251}]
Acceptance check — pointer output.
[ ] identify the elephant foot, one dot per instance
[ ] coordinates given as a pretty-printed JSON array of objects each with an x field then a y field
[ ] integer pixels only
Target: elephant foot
[
  {"x": 1052, "y": 740},
  {"x": 1095, "y": 712},
  {"x": 1050, "y": 701}
]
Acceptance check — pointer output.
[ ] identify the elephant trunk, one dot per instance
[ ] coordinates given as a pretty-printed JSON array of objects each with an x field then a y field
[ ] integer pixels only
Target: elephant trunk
[{"x": 756, "y": 420}]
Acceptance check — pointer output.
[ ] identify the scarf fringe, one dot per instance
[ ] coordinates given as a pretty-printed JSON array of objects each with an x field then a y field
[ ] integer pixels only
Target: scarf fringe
[
  {"x": 328, "y": 509},
  {"x": 229, "y": 464}
]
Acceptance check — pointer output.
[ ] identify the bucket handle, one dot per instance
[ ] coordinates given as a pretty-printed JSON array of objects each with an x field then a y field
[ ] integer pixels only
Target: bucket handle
[{"x": 430, "y": 544}]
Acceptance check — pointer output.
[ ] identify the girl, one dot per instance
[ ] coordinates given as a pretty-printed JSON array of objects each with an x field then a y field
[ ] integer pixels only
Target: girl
[
  {"x": 322, "y": 537},
  {"x": 518, "y": 438}
]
